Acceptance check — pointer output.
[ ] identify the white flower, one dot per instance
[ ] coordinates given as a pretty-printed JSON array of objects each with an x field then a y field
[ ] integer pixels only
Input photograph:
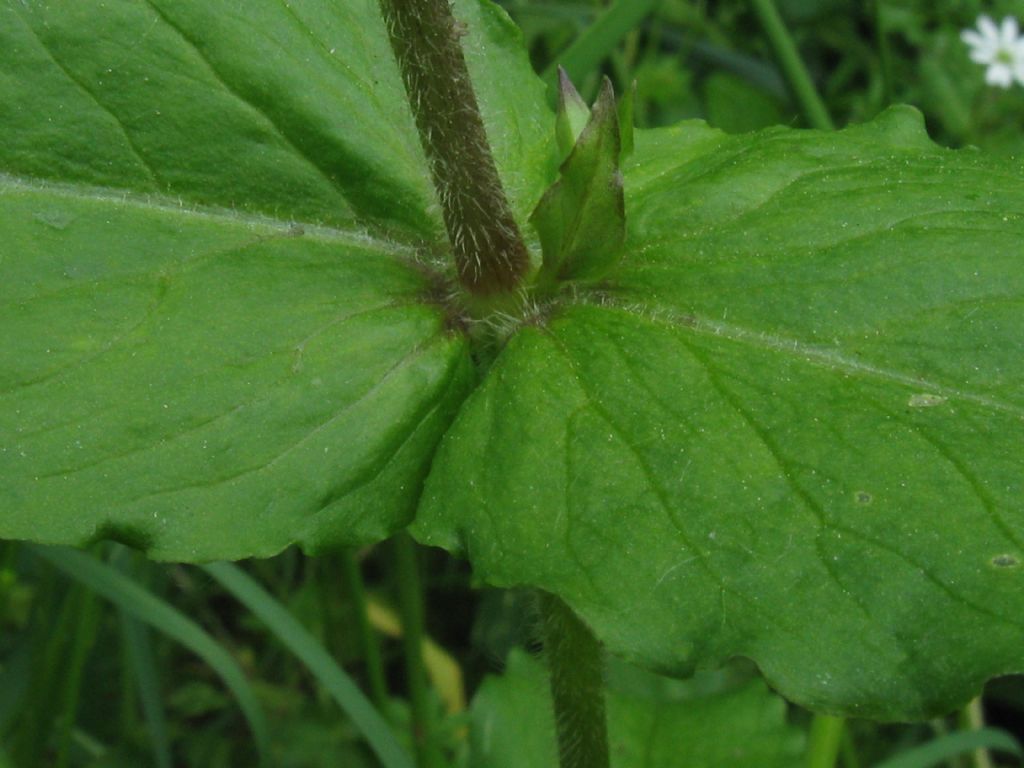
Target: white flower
[{"x": 1001, "y": 49}]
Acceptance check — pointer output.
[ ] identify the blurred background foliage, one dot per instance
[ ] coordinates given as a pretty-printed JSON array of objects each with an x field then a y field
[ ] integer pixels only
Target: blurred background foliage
[
  {"x": 86, "y": 683},
  {"x": 710, "y": 60}
]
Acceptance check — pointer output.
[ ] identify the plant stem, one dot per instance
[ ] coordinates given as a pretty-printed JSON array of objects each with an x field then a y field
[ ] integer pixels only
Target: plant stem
[
  {"x": 577, "y": 685},
  {"x": 490, "y": 256},
  {"x": 84, "y": 635},
  {"x": 884, "y": 51},
  {"x": 973, "y": 718},
  {"x": 410, "y": 606},
  {"x": 792, "y": 65},
  {"x": 352, "y": 576},
  {"x": 823, "y": 742}
]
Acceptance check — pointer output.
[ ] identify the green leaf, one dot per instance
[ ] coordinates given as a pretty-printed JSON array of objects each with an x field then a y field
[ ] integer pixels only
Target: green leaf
[
  {"x": 295, "y": 110},
  {"x": 243, "y": 386},
  {"x": 581, "y": 218},
  {"x": 513, "y": 726},
  {"x": 787, "y": 427},
  {"x": 573, "y": 114},
  {"x": 219, "y": 336}
]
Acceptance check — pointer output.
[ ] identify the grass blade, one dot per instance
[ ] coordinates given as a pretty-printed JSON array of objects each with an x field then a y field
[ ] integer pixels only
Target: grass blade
[
  {"x": 86, "y": 625},
  {"x": 952, "y": 745},
  {"x": 139, "y": 650},
  {"x": 148, "y": 608},
  {"x": 140, "y": 653},
  {"x": 599, "y": 39},
  {"x": 15, "y": 676},
  {"x": 814, "y": 109},
  {"x": 352, "y": 578},
  {"x": 306, "y": 648}
]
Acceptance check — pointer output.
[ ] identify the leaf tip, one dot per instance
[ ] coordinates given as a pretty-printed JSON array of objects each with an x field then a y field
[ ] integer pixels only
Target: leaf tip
[{"x": 573, "y": 113}]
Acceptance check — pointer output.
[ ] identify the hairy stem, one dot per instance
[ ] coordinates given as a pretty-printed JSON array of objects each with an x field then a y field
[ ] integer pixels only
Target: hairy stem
[
  {"x": 577, "y": 686},
  {"x": 489, "y": 252}
]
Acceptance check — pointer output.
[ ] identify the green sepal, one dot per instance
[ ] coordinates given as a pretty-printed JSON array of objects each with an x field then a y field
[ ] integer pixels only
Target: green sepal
[{"x": 581, "y": 220}]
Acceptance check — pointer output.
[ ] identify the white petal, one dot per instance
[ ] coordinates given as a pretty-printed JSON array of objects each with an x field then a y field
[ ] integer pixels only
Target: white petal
[
  {"x": 982, "y": 50},
  {"x": 979, "y": 56},
  {"x": 974, "y": 40},
  {"x": 999, "y": 75},
  {"x": 1018, "y": 71},
  {"x": 988, "y": 28},
  {"x": 1009, "y": 31}
]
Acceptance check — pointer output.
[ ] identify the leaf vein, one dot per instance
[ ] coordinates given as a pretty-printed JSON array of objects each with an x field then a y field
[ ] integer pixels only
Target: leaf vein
[{"x": 88, "y": 92}]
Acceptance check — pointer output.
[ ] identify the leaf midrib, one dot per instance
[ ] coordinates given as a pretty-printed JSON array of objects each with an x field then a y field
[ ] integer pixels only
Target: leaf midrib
[
  {"x": 166, "y": 204},
  {"x": 818, "y": 356},
  {"x": 656, "y": 315}
]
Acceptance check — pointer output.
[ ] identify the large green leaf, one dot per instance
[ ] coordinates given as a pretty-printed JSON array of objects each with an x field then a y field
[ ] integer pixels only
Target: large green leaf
[
  {"x": 205, "y": 355},
  {"x": 290, "y": 109},
  {"x": 513, "y": 725},
  {"x": 788, "y": 427},
  {"x": 201, "y": 385}
]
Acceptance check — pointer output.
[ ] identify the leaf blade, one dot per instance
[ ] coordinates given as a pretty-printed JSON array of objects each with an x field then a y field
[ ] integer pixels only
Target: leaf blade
[
  {"x": 730, "y": 449},
  {"x": 219, "y": 373},
  {"x": 292, "y": 110}
]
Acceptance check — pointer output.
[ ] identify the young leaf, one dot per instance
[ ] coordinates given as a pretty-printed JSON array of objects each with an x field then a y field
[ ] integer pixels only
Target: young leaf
[
  {"x": 581, "y": 219},
  {"x": 627, "y": 118},
  {"x": 573, "y": 114},
  {"x": 787, "y": 428}
]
